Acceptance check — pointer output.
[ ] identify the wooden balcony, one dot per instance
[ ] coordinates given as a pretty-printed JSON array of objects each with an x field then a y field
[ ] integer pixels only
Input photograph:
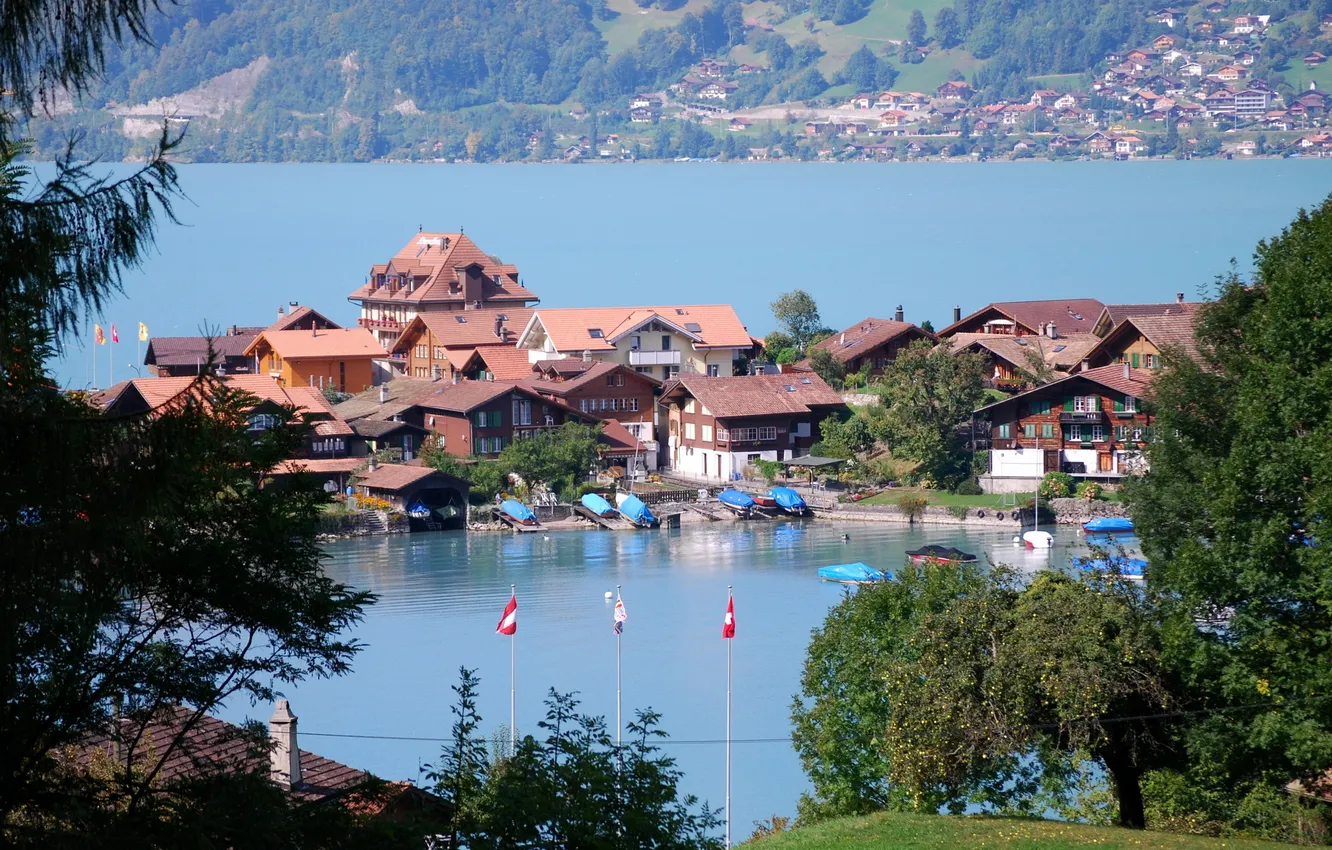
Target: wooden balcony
[
  {"x": 379, "y": 324},
  {"x": 1082, "y": 416}
]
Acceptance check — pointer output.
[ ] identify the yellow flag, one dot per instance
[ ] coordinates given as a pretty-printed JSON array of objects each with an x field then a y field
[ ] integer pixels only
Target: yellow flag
[
  {"x": 98, "y": 335},
  {"x": 143, "y": 332}
]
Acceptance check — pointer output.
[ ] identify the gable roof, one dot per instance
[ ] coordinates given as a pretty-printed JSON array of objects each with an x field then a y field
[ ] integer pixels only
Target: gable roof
[
  {"x": 193, "y": 350},
  {"x": 1116, "y": 313},
  {"x": 1118, "y": 377},
  {"x": 865, "y": 336},
  {"x": 298, "y": 345},
  {"x": 465, "y": 328},
  {"x": 159, "y": 392},
  {"x": 1014, "y": 349},
  {"x": 397, "y": 476},
  {"x": 570, "y": 329},
  {"x": 433, "y": 259},
  {"x": 398, "y": 395},
  {"x": 465, "y": 396},
  {"x": 1070, "y": 315},
  {"x": 617, "y": 439},
  {"x": 1174, "y": 329},
  {"x": 505, "y": 362},
  {"x": 568, "y": 382},
  {"x": 756, "y": 395},
  {"x": 301, "y": 315}
]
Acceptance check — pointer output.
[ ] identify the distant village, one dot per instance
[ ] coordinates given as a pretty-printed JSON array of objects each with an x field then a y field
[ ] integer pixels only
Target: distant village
[
  {"x": 1164, "y": 97},
  {"x": 453, "y": 348}
]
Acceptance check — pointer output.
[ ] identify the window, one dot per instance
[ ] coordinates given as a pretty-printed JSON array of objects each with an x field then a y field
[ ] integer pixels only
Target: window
[
  {"x": 790, "y": 388},
  {"x": 595, "y": 333},
  {"x": 707, "y": 433},
  {"x": 1029, "y": 431},
  {"x": 1040, "y": 408},
  {"x": 1086, "y": 404},
  {"x": 439, "y": 352},
  {"x": 1134, "y": 360},
  {"x": 693, "y": 327},
  {"x": 714, "y": 371},
  {"x": 262, "y": 422},
  {"x": 1004, "y": 432},
  {"x": 633, "y": 404},
  {"x": 615, "y": 380},
  {"x": 768, "y": 433},
  {"x": 635, "y": 342},
  {"x": 665, "y": 342},
  {"x": 744, "y": 435},
  {"x": 806, "y": 381},
  {"x": 689, "y": 406},
  {"x": 1098, "y": 433},
  {"x": 1047, "y": 430},
  {"x": 753, "y": 457},
  {"x": 582, "y": 405},
  {"x": 462, "y": 320},
  {"x": 1074, "y": 434},
  {"x": 522, "y": 411},
  {"x": 723, "y": 435},
  {"x": 1121, "y": 433},
  {"x": 1130, "y": 404},
  {"x": 689, "y": 430},
  {"x": 672, "y": 371},
  {"x": 643, "y": 370}
]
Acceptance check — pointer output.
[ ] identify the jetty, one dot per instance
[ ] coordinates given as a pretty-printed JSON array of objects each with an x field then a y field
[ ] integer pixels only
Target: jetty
[
  {"x": 612, "y": 523},
  {"x": 515, "y": 524}
]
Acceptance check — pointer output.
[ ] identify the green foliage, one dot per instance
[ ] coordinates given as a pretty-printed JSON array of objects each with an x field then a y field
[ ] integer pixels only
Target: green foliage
[
  {"x": 786, "y": 356},
  {"x": 555, "y": 458},
  {"x": 486, "y": 477},
  {"x": 867, "y": 72},
  {"x": 1057, "y": 485},
  {"x": 845, "y": 438},
  {"x": 574, "y": 788},
  {"x": 769, "y": 469},
  {"x": 968, "y": 487},
  {"x": 777, "y": 341},
  {"x": 827, "y": 367},
  {"x": 1239, "y": 487},
  {"x": 912, "y": 506},
  {"x": 798, "y": 315},
  {"x": 915, "y": 31},
  {"x": 958, "y": 511},
  {"x": 926, "y": 392},
  {"x": 1090, "y": 490}
]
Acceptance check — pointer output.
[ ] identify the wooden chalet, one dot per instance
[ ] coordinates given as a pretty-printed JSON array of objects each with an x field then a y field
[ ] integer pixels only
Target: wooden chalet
[
  {"x": 1019, "y": 318},
  {"x": 872, "y": 342}
]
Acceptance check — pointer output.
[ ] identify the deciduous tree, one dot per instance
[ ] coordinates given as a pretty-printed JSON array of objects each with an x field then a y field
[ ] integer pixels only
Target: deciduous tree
[{"x": 798, "y": 315}]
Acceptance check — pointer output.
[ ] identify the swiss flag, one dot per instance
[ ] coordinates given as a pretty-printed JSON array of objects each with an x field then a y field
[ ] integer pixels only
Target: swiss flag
[
  {"x": 508, "y": 624},
  {"x": 728, "y": 625},
  {"x": 115, "y": 337}
]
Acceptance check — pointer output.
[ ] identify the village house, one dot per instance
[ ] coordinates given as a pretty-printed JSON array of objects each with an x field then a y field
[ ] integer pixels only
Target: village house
[
  {"x": 1129, "y": 145},
  {"x": 717, "y": 90},
  {"x": 431, "y": 499},
  {"x": 1191, "y": 69},
  {"x": 343, "y": 359},
  {"x": 1314, "y": 59},
  {"x": 955, "y": 90},
  {"x": 1044, "y": 97},
  {"x": 178, "y": 356},
  {"x": 1142, "y": 332},
  {"x": 1252, "y": 103},
  {"x": 711, "y": 69},
  {"x": 1018, "y": 318},
  {"x": 435, "y": 272},
  {"x": 473, "y": 344},
  {"x": 608, "y": 391},
  {"x": 1229, "y": 73},
  {"x": 660, "y": 341},
  {"x": 717, "y": 427},
  {"x": 872, "y": 343},
  {"x": 737, "y": 125},
  {"x": 1091, "y": 424},
  {"x": 1012, "y": 359},
  {"x": 1165, "y": 42}
]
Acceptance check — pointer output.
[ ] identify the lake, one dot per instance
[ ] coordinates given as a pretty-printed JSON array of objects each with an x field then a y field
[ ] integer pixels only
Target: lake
[
  {"x": 442, "y": 594},
  {"x": 862, "y": 238}
]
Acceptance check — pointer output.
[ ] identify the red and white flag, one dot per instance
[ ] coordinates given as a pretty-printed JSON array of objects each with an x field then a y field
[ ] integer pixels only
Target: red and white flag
[
  {"x": 115, "y": 337},
  {"x": 728, "y": 625},
  {"x": 508, "y": 624}
]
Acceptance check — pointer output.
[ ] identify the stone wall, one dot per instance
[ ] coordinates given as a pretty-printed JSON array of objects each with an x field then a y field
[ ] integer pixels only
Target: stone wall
[
  {"x": 1078, "y": 511},
  {"x": 933, "y": 515}
]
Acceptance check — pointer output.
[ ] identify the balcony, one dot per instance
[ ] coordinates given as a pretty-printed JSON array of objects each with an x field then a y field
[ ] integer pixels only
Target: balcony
[
  {"x": 379, "y": 324},
  {"x": 1085, "y": 416},
  {"x": 654, "y": 358}
]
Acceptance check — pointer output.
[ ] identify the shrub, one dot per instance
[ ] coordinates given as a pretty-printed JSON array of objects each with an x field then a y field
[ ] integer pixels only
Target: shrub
[
  {"x": 912, "y": 506},
  {"x": 769, "y": 469},
  {"x": 969, "y": 487},
  {"x": 1057, "y": 485},
  {"x": 958, "y": 511},
  {"x": 1090, "y": 491}
]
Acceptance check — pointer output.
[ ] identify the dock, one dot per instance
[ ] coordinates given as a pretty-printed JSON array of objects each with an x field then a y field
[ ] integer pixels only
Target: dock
[
  {"x": 516, "y": 526},
  {"x": 615, "y": 523}
]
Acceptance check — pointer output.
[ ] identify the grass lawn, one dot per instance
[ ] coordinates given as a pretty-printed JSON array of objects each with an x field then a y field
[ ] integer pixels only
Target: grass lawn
[
  {"x": 928, "y": 75},
  {"x": 940, "y": 497},
  {"x": 1059, "y": 82},
  {"x": 623, "y": 31},
  {"x": 926, "y": 832}
]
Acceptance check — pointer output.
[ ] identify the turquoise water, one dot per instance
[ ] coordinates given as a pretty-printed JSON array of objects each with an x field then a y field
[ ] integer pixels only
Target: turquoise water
[
  {"x": 862, "y": 238},
  {"x": 441, "y": 596}
]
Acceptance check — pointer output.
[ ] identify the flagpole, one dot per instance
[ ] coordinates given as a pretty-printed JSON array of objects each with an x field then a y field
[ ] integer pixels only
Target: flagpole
[
  {"x": 728, "y": 729},
  {"x": 618, "y": 725},
  {"x": 513, "y": 683}
]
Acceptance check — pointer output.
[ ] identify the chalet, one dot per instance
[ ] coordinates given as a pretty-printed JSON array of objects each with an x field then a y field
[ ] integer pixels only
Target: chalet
[
  {"x": 1113, "y": 314},
  {"x": 1129, "y": 145},
  {"x": 666, "y": 341},
  {"x": 1069, "y": 100},
  {"x": 444, "y": 345},
  {"x": 432, "y": 500},
  {"x": 1143, "y": 58},
  {"x": 1012, "y": 359},
  {"x": 737, "y": 125},
  {"x": 1019, "y": 318},
  {"x": 1061, "y": 142},
  {"x": 642, "y": 115},
  {"x": 179, "y": 356},
  {"x": 343, "y": 359},
  {"x": 719, "y": 426},
  {"x": 1244, "y": 57},
  {"x": 1169, "y": 17},
  {"x": 1018, "y": 113},
  {"x": 1091, "y": 424},
  {"x": 645, "y": 101},
  {"x": 746, "y": 68},
  {"x": 711, "y": 69},
  {"x": 872, "y": 343},
  {"x": 955, "y": 90},
  {"x": 1165, "y": 42},
  {"x": 717, "y": 91},
  {"x": 1216, "y": 7},
  {"x": 893, "y": 118},
  {"x": 1191, "y": 69},
  {"x": 1314, "y": 59},
  {"x": 435, "y": 272},
  {"x": 1229, "y": 73},
  {"x": 1140, "y": 337},
  {"x": 605, "y": 390},
  {"x": 1044, "y": 97},
  {"x": 1220, "y": 102},
  {"x": 862, "y": 101},
  {"x": 1245, "y": 24}
]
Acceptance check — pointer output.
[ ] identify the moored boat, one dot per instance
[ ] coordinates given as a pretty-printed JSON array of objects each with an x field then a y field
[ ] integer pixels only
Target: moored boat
[
  {"x": 944, "y": 554},
  {"x": 765, "y": 501},
  {"x": 1127, "y": 567},
  {"x": 789, "y": 500},
  {"x": 597, "y": 505},
  {"x": 1038, "y": 540},
  {"x": 856, "y": 573},
  {"x": 738, "y": 502},
  {"x": 633, "y": 509},
  {"x": 1108, "y": 524},
  {"x": 517, "y": 512}
]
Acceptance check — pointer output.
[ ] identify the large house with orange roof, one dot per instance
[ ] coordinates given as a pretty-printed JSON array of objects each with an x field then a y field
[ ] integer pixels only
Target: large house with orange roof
[
  {"x": 464, "y": 344},
  {"x": 664, "y": 342},
  {"x": 180, "y": 356},
  {"x": 435, "y": 272},
  {"x": 343, "y": 358}
]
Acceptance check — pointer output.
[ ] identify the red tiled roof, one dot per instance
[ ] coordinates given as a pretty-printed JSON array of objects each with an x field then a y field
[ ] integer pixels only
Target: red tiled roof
[
  {"x": 1116, "y": 313},
  {"x": 616, "y": 439},
  {"x": 505, "y": 362},
  {"x": 865, "y": 336},
  {"x": 1070, "y": 315},
  {"x": 213, "y": 745},
  {"x": 161, "y": 391},
  {"x": 321, "y": 465},
  {"x": 1117, "y": 376},
  {"x": 465, "y": 328},
  {"x": 424, "y": 257},
  {"x": 1014, "y": 349},
  {"x": 299, "y": 314},
  {"x": 464, "y": 396},
  {"x": 1174, "y": 330},
  {"x": 394, "y": 476},
  {"x": 756, "y": 395},
  {"x": 595, "y": 370},
  {"x": 344, "y": 343},
  {"x": 401, "y": 393},
  {"x": 193, "y": 350},
  {"x": 569, "y": 329}
]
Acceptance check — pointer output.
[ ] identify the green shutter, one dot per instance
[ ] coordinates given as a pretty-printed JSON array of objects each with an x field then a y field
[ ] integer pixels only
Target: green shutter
[
  {"x": 1029, "y": 431},
  {"x": 1003, "y": 432},
  {"x": 1095, "y": 403},
  {"x": 1119, "y": 405},
  {"x": 1135, "y": 361},
  {"x": 1047, "y": 430},
  {"x": 1068, "y": 403},
  {"x": 496, "y": 418}
]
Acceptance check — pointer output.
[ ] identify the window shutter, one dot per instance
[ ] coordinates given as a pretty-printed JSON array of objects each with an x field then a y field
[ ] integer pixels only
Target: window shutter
[
  {"x": 1047, "y": 429},
  {"x": 1029, "y": 431},
  {"x": 1068, "y": 403},
  {"x": 1096, "y": 404},
  {"x": 1119, "y": 405},
  {"x": 1135, "y": 361}
]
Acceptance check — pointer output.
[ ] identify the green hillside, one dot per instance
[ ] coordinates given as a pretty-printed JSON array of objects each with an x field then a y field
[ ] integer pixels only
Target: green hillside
[{"x": 923, "y": 832}]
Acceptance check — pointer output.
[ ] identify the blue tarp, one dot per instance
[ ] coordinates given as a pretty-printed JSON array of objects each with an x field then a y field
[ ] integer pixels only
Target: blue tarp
[
  {"x": 597, "y": 505},
  {"x": 633, "y": 509},
  {"x": 788, "y": 499},
  {"x": 418, "y": 510},
  {"x": 1127, "y": 566},
  {"x": 735, "y": 499},
  {"x": 1108, "y": 524},
  {"x": 856, "y": 573},
  {"x": 518, "y": 510}
]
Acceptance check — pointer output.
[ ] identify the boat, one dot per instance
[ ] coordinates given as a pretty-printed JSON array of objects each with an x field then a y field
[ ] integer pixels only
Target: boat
[
  {"x": 418, "y": 510},
  {"x": 597, "y": 505},
  {"x": 739, "y": 503},
  {"x": 789, "y": 500},
  {"x": 633, "y": 509},
  {"x": 856, "y": 573},
  {"x": 765, "y": 501},
  {"x": 517, "y": 512},
  {"x": 1038, "y": 540},
  {"x": 1127, "y": 567},
  {"x": 944, "y": 554},
  {"x": 1108, "y": 523}
]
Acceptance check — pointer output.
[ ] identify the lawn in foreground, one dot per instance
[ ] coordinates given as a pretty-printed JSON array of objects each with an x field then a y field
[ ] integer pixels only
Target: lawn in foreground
[{"x": 927, "y": 832}]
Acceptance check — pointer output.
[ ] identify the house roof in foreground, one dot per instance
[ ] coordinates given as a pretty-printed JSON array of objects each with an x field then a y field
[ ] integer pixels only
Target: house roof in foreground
[{"x": 756, "y": 395}]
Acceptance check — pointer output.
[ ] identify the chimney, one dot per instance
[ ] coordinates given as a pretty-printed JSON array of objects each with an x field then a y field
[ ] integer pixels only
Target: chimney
[
  {"x": 898, "y": 316},
  {"x": 587, "y": 355},
  {"x": 957, "y": 313},
  {"x": 1126, "y": 368},
  {"x": 499, "y": 328},
  {"x": 281, "y": 311},
  {"x": 1179, "y": 298},
  {"x": 1054, "y": 334},
  {"x": 842, "y": 340},
  {"x": 374, "y": 463},
  {"x": 383, "y": 393},
  {"x": 1086, "y": 364},
  {"x": 285, "y": 756}
]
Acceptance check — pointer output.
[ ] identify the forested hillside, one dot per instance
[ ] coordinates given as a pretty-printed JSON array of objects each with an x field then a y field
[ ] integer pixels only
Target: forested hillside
[{"x": 511, "y": 79}]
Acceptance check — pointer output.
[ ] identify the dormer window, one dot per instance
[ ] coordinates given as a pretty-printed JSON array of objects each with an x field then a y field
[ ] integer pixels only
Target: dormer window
[
  {"x": 680, "y": 311},
  {"x": 693, "y": 327},
  {"x": 595, "y": 333},
  {"x": 462, "y": 320}
]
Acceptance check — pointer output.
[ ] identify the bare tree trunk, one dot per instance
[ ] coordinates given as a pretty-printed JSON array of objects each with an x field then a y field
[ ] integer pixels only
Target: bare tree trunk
[{"x": 1128, "y": 789}]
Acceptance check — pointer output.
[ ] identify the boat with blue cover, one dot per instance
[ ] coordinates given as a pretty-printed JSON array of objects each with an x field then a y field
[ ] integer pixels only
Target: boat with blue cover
[
  {"x": 598, "y": 505},
  {"x": 1127, "y": 567},
  {"x": 1108, "y": 524},
  {"x": 856, "y": 573},
  {"x": 633, "y": 509},
  {"x": 789, "y": 500},
  {"x": 740, "y": 503},
  {"x": 517, "y": 512}
]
